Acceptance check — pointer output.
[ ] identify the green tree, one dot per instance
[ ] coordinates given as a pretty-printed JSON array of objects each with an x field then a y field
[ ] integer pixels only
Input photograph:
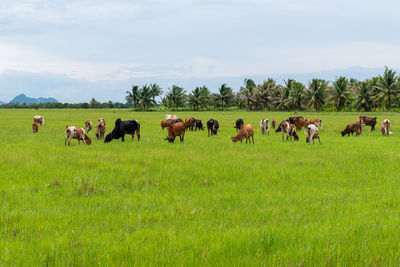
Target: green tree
[
  {"x": 315, "y": 94},
  {"x": 296, "y": 95},
  {"x": 199, "y": 97},
  {"x": 176, "y": 96},
  {"x": 225, "y": 95},
  {"x": 387, "y": 87},
  {"x": 339, "y": 92},
  {"x": 363, "y": 91},
  {"x": 155, "y": 91},
  {"x": 133, "y": 96},
  {"x": 146, "y": 98}
]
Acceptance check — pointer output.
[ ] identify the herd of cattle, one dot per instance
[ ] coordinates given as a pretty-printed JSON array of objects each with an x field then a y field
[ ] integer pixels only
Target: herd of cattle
[{"x": 178, "y": 127}]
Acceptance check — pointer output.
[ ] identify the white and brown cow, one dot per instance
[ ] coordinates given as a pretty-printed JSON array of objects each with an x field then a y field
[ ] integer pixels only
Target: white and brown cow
[
  {"x": 312, "y": 133},
  {"x": 88, "y": 125},
  {"x": 100, "y": 128},
  {"x": 38, "y": 119},
  {"x": 264, "y": 126},
  {"x": 74, "y": 132},
  {"x": 385, "y": 127},
  {"x": 288, "y": 129}
]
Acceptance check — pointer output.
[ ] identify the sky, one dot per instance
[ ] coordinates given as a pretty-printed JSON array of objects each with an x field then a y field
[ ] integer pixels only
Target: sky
[{"x": 75, "y": 50}]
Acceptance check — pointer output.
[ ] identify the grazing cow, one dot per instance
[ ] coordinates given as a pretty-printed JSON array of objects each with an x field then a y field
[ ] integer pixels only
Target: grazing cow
[
  {"x": 294, "y": 134},
  {"x": 279, "y": 129},
  {"x": 352, "y": 128},
  {"x": 288, "y": 129},
  {"x": 316, "y": 122},
  {"x": 100, "y": 128},
  {"x": 88, "y": 125},
  {"x": 190, "y": 123},
  {"x": 174, "y": 130},
  {"x": 173, "y": 117},
  {"x": 166, "y": 123},
  {"x": 370, "y": 121},
  {"x": 35, "y": 127},
  {"x": 199, "y": 125},
  {"x": 176, "y": 120},
  {"x": 239, "y": 124},
  {"x": 39, "y": 119},
  {"x": 312, "y": 133},
  {"x": 385, "y": 127},
  {"x": 361, "y": 123},
  {"x": 298, "y": 121},
  {"x": 121, "y": 128},
  {"x": 212, "y": 126},
  {"x": 264, "y": 126},
  {"x": 273, "y": 122},
  {"x": 73, "y": 132},
  {"x": 246, "y": 131}
]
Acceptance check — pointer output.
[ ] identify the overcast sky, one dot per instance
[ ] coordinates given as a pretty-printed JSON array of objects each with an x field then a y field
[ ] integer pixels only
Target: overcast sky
[{"x": 75, "y": 50}]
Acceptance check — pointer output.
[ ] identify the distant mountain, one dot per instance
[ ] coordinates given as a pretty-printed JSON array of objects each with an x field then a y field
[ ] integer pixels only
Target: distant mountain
[
  {"x": 22, "y": 98},
  {"x": 1, "y": 102}
]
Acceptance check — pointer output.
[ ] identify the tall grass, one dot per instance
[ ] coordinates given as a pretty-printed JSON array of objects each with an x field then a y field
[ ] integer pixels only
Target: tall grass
[{"x": 206, "y": 201}]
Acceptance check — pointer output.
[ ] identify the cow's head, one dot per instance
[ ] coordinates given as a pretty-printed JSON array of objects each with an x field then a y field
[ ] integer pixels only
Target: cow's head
[
  {"x": 88, "y": 141},
  {"x": 108, "y": 138},
  {"x": 344, "y": 133},
  {"x": 235, "y": 139},
  {"x": 307, "y": 139},
  {"x": 170, "y": 139}
]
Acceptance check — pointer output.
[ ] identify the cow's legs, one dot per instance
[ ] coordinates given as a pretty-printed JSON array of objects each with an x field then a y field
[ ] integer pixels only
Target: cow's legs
[
  {"x": 138, "y": 135},
  {"x": 65, "y": 142},
  {"x": 252, "y": 137},
  {"x": 123, "y": 138}
]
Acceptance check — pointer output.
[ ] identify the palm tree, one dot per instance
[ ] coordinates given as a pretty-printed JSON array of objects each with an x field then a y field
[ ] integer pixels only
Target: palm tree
[
  {"x": 225, "y": 95},
  {"x": 296, "y": 95},
  {"x": 315, "y": 93},
  {"x": 146, "y": 100},
  {"x": 387, "y": 87},
  {"x": 176, "y": 96},
  {"x": 339, "y": 92},
  {"x": 133, "y": 96},
  {"x": 363, "y": 92},
  {"x": 155, "y": 91},
  {"x": 263, "y": 94},
  {"x": 195, "y": 98}
]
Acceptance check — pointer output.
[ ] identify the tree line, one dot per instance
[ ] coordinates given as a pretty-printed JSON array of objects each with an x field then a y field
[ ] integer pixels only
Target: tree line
[{"x": 377, "y": 93}]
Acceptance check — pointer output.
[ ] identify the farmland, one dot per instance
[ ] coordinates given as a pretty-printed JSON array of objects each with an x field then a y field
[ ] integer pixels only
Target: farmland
[{"x": 206, "y": 201}]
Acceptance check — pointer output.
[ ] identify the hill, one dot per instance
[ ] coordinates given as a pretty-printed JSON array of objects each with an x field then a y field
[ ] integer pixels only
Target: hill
[{"x": 22, "y": 98}]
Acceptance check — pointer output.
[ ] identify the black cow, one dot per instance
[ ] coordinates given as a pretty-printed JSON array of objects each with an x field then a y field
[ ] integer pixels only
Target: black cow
[
  {"x": 121, "y": 128},
  {"x": 239, "y": 124},
  {"x": 212, "y": 126},
  {"x": 199, "y": 125}
]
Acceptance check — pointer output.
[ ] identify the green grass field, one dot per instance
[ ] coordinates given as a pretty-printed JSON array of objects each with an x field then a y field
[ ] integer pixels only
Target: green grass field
[{"x": 205, "y": 202}]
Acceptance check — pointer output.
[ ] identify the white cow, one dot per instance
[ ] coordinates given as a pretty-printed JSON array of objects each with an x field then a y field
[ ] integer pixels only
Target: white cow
[
  {"x": 312, "y": 133},
  {"x": 38, "y": 119},
  {"x": 385, "y": 127},
  {"x": 173, "y": 117},
  {"x": 264, "y": 126}
]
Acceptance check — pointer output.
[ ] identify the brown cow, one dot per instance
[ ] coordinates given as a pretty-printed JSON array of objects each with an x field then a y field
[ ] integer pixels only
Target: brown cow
[
  {"x": 288, "y": 129},
  {"x": 316, "y": 122},
  {"x": 273, "y": 122},
  {"x": 190, "y": 123},
  {"x": 38, "y": 119},
  {"x": 370, "y": 121},
  {"x": 35, "y": 127},
  {"x": 174, "y": 130},
  {"x": 166, "y": 123},
  {"x": 352, "y": 128},
  {"x": 246, "y": 131},
  {"x": 385, "y": 127},
  {"x": 88, "y": 125},
  {"x": 298, "y": 121},
  {"x": 73, "y": 132},
  {"x": 100, "y": 128}
]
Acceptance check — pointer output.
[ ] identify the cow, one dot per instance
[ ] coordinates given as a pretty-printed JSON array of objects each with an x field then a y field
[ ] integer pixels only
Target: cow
[
  {"x": 370, "y": 121},
  {"x": 121, "y": 128},
  {"x": 212, "y": 127},
  {"x": 361, "y": 123},
  {"x": 279, "y": 128},
  {"x": 298, "y": 121},
  {"x": 199, "y": 125},
  {"x": 316, "y": 122},
  {"x": 273, "y": 123},
  {"x": 264, "y": 126},
  {"x": 239, "y": 123},
  {"x": 88, "y": 125},
  {"x": 168, "y": 116},
  {"x": 174, "y": 130},
  {"x": 352, "y": 128},
  {"x": 74, "y": 132},
  {"x": 312, "y": 133},
  {"x": 246, "y": 131},
  {"x": 288, "y": 129},
  {"x": 39, "y": 119},
  {"x": 35, "y": 127},
  {"x": 385, "y": 127},
  {"x": 190, "y": 123},
  {"x": 176, "y": 120},
  {"x": 100, "y": 128},
  {"x": 166, "y": 123}
]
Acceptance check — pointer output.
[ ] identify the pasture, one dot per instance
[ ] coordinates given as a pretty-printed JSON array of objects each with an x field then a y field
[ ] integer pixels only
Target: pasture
[{"x": 207, "y": 201}]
